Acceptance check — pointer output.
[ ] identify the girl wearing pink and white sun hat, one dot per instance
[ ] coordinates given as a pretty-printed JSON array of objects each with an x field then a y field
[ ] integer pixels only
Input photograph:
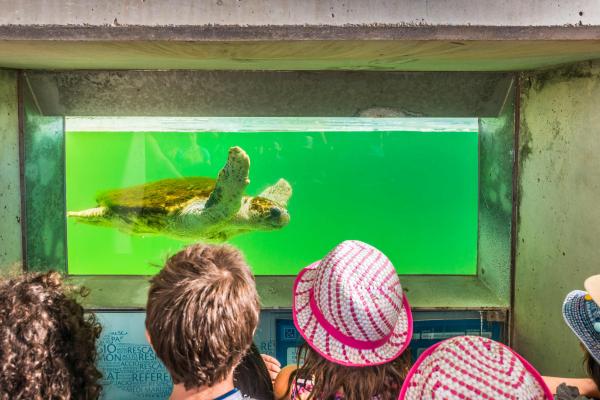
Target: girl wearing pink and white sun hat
[
  {"x": 473, "y": 368},
  {"x": 350, "y": 309}
]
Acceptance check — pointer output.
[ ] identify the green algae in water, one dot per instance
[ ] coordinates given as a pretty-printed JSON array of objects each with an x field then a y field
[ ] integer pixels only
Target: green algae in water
[{"x": 413, "y": 194}]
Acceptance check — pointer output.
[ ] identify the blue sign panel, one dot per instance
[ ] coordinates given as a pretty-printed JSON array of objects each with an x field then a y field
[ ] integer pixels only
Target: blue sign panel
[
  {"x": 130, "y": 367},
  {"x": 426, "y": 333},
  {"x": 287, "y": 340},
  {"x": 429, "y": 328},
  {"x": 133, "y": 372}
]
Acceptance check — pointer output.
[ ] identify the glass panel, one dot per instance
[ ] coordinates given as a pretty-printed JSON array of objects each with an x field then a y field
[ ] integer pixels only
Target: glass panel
[
  {"x": 406, "y": 186},
  {"x": 496, "y": 141},
  {"x": 44, "y": 167}
]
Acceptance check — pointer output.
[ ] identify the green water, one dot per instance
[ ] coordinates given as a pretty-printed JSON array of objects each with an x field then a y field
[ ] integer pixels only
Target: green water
[{"x": 411, "y": 194}]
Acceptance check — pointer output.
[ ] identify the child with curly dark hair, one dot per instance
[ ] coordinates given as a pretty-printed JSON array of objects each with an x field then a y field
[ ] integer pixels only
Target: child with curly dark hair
[{"x": 47, "y": 344}]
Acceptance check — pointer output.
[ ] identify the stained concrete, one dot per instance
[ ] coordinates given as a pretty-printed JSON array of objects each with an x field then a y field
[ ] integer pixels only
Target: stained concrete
[
  {"x": 402, "y": 35},
  {"x": 423, "y": 292},
  {"x": 305, "y": 12},
  {"x": 269, "y": 94},
  {"x": 559, "y": 212},
  {"x": 429, "y": 53},
  {"x": 10, "y": 199}
]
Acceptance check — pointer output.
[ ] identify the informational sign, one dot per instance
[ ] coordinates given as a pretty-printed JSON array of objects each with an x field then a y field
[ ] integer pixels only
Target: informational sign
[
  {"x": 428, "y": 332},
  {"x": 287, "y": 341},
  {"x": 277, "y": 335},
  {"x": 133, "y": 372},
  {"x": 130, "y": 368},
  {"x": 265, "y": 336}
]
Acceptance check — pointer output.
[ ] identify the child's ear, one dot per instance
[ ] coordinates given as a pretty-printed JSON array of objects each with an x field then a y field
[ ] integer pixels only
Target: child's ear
[{"x": 148, "y": 338}]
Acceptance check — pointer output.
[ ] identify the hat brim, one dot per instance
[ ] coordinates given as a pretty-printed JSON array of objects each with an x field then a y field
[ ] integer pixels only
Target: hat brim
[
  {"x": 592, "y": 286},
  {"x": 410, "y": 382},
  {"x": 331, "y": 348},
  {"x": 576, "y": 317}
]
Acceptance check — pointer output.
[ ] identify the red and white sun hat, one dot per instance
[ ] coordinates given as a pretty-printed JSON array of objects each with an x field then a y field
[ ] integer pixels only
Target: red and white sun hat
[
  {"x": 473, "y": 368},
  {"x": 350, "y": 307}
]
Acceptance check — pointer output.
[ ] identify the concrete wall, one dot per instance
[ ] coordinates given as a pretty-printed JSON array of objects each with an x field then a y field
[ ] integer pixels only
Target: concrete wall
[
  {"x": 310, "y": 12},
  {"x": 269, "y": 94},
  {"x": 10, "y": 200},
  {"x": 559, "y": 213}
]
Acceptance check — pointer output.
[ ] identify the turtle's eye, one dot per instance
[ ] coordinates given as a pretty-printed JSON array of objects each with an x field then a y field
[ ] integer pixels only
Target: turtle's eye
[{"x": 275, "y": 212}]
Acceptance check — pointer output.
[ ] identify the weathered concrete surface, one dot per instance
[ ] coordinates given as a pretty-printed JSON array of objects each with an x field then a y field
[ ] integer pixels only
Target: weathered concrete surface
[
  {"x": 423, "y": 292},
  {"x": 559, "y": 229},
  {"x": 433, "y": 54},
  {"x": 290, "y": 12},
  {"x": 268, "y": 94},
  {"x": 10, "y": 199},
  {"x": 402, "y": 35}
]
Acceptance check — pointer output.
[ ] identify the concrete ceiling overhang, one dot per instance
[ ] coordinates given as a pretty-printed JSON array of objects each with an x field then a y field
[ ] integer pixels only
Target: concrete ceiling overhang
[
  {"x": 269, "y": 93},
  {"x": 359, "y": 47}
]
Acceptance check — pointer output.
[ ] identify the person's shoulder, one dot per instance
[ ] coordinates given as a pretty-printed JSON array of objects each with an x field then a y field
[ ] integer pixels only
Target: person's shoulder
[{"x": 282, "y": 382}]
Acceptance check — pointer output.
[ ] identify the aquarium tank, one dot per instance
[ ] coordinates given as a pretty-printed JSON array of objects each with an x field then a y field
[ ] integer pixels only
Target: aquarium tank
[{"x": 139, "y": 189}]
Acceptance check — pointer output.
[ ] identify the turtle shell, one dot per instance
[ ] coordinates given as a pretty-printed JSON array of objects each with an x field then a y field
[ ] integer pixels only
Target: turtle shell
[{"x": 159, "y": 198}]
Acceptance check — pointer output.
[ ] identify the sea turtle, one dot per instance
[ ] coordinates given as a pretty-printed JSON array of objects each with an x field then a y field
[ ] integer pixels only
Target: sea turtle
[{"x": 194, "y": 208}]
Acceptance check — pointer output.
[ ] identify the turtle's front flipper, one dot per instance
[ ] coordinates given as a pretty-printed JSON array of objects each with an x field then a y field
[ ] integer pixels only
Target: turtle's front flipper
[
  {"x": 280, "y": 192},
  {"x": 226, "y": 198}
]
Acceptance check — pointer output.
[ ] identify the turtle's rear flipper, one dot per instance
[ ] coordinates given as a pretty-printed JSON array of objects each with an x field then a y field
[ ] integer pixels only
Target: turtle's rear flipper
[
  {"x": 280, "y": 192},
  {"x": 94, "y": 216},
  {"x": 226, "y": 198}
]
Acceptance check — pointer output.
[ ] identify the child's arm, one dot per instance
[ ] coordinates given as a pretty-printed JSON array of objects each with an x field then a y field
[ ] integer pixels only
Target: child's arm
[
  {"x": 586, "y": 386},
  {"x": 281, "y": 387}
]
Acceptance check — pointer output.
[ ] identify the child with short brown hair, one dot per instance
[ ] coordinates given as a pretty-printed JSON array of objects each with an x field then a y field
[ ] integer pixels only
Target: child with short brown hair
[{"x": 202, "y": 312}]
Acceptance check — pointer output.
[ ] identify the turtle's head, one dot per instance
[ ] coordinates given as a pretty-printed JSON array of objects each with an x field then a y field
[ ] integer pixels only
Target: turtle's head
[{"x": 264, "y": 214}]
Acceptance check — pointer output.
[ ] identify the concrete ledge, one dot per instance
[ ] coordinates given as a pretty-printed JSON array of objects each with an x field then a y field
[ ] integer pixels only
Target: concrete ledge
[
  {"x": 427, "y": 52},
  {"x": 185, "y": 33},
  {"x": 305, "y": 12},
  {"x": 423, "y": 292}
]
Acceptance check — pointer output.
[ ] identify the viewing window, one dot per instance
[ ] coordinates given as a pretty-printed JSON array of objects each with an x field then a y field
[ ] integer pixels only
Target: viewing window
[{"x": 408, "y": 186}]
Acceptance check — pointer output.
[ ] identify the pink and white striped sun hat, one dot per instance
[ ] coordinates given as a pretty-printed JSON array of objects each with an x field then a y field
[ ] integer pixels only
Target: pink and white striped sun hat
[
  {"x": 474, "y": 368},
  {"x": 350, "y": 308}
]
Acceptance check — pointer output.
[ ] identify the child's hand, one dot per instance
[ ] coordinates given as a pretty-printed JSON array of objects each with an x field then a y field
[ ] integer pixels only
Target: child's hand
[{"x": 273, "y": 366}]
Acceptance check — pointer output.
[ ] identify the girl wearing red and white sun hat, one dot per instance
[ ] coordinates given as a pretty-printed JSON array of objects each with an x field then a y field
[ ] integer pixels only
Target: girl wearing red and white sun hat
[
  {"x": 473, "y": 368},
  {"x": 350, "y": 309}
]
